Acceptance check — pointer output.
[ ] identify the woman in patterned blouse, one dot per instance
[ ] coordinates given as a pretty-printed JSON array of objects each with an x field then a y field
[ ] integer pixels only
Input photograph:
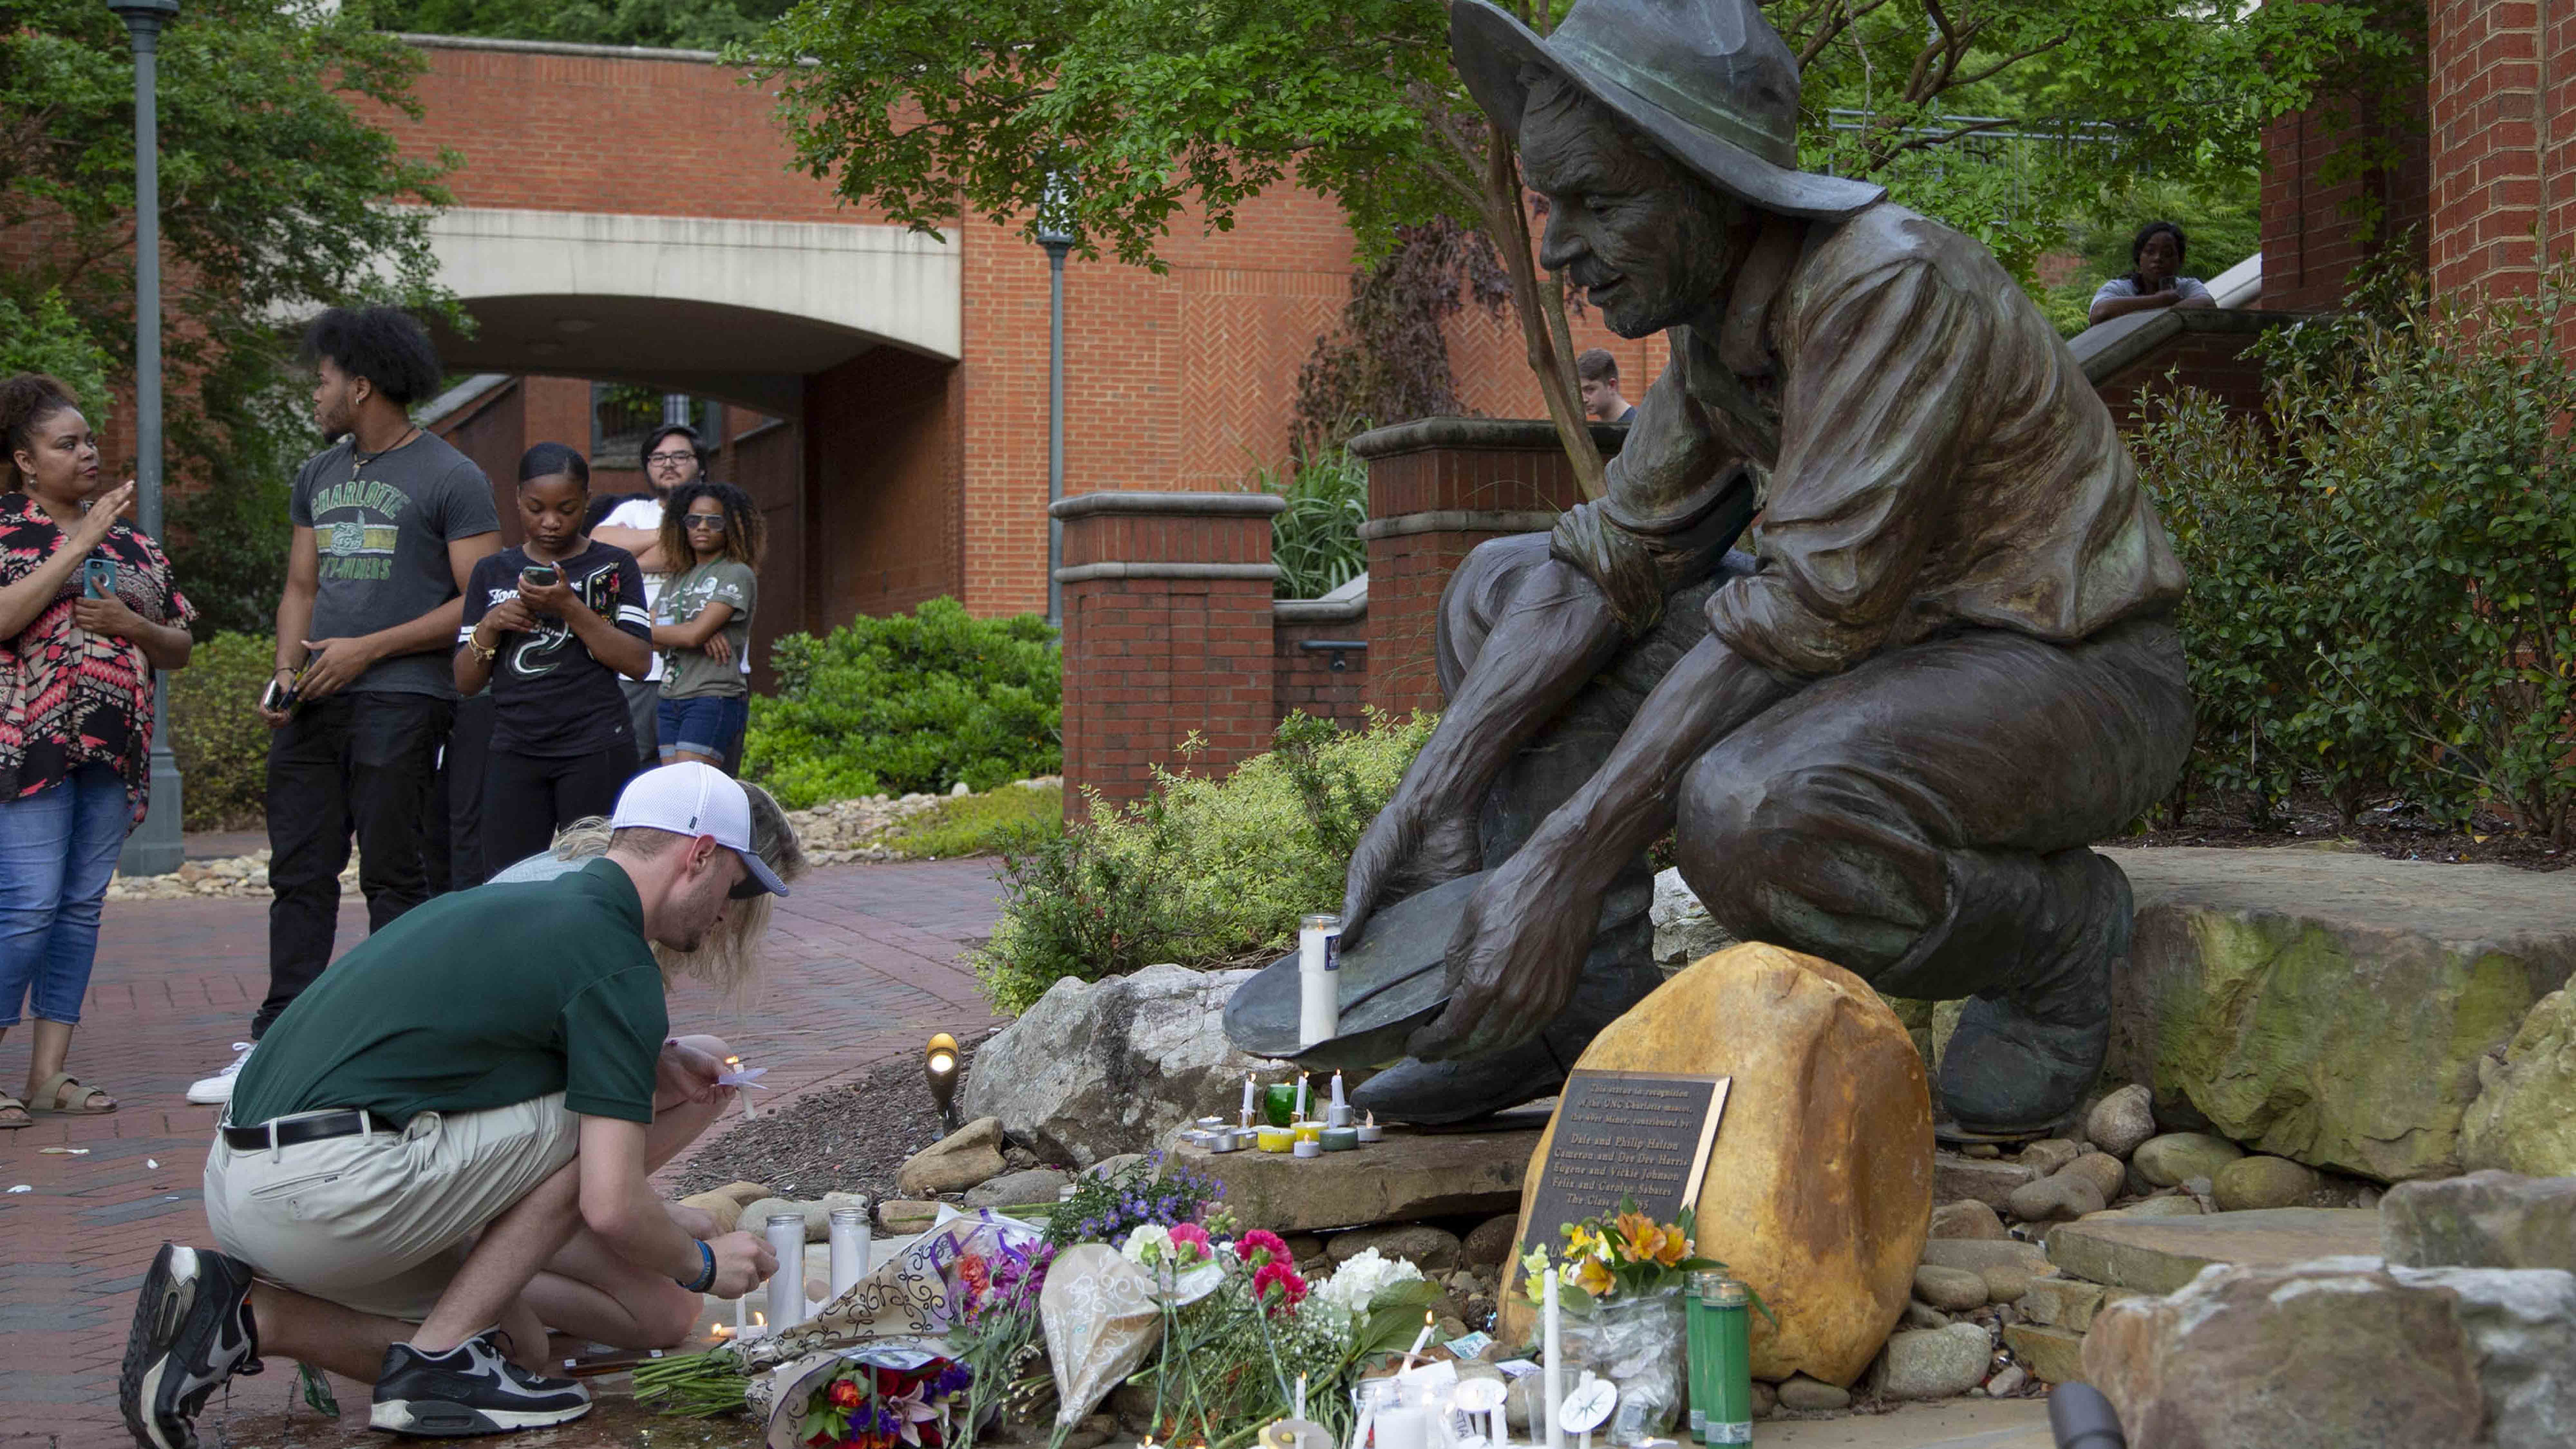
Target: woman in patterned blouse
[{"x": 87, "y": 612}]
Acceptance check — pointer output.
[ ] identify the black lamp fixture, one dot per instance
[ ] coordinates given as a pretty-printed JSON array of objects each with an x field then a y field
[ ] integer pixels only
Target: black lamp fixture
[{"x": 939, "y": 1068}]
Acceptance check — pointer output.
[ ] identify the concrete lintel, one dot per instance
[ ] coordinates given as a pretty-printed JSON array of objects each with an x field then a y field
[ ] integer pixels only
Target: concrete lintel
[
  {"x": 1204, "y": 505},
  {"x": 1522, "y": 435},
  {"x": 1460, "y": 520},
  {"x": 1319, "y": 611},
  {"x": 1083, "y": 573},
  {"x": 2122, "y": 341}
]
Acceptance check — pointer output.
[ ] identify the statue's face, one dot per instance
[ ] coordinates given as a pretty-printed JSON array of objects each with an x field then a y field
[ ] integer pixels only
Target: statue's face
[{"x": 1646, "y": 239}]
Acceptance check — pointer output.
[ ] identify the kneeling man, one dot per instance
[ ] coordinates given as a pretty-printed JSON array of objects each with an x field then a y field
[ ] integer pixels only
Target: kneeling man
[{"x": 442, "y": 1149}]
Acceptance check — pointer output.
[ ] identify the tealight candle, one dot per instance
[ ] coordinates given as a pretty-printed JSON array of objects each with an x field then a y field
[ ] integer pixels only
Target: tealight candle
[
  {"x": 1370, "y": 1131},
  {"x": 1273, "y": 1139},
  {"x": 1308, "y": 1147},
  {"x": 1337, "y": 1115},
  {"x": 1341, "y": 1139},
  {"x": 1228, "y": 1140},
  {"x": 1308, "y": 1131}
]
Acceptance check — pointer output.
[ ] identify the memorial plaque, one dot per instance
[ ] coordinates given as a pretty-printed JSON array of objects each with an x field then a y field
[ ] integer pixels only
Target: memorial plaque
[{"x": 1622, "y": 1135}]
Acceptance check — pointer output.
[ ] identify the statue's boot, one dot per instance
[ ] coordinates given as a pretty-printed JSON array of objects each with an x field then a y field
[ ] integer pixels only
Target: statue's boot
[
  {"x": 2031, "y": 1043},
  {"x": 1618, "y": 973}
]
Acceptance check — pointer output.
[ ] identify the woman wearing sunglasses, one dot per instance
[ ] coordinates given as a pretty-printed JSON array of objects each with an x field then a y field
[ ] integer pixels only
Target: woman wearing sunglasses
[{"x": 713, "y": 534}]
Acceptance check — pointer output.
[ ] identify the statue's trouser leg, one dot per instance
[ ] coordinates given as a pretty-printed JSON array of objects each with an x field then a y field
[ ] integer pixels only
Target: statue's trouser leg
[
  {"x": 1619, "y": 969},
  {"x": 1921, "y": 820}
]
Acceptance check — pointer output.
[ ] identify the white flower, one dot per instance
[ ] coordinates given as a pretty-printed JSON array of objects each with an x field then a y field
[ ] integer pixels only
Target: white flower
[
  {"x": 1149, "y": 1244},
  {"x": 1344, "y": 1298}
]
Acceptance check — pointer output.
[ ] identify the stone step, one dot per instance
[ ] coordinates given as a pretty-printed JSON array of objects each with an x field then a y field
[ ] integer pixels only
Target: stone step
[
  {"x": 2159, "y": 1255},
  {"x": 1410, "y": 1176}
]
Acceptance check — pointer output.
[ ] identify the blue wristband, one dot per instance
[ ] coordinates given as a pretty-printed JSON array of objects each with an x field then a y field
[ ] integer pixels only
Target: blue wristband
[{"x": 706, "y": 1278}]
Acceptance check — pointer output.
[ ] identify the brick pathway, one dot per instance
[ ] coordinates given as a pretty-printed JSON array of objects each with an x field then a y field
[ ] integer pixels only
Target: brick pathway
[{"x": 864, "y": 965}]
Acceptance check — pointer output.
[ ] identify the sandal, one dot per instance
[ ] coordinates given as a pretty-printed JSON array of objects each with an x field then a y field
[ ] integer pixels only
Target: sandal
[
  {"x": 62, "y": 1090},
  {"x": 9, "y": 1104}
]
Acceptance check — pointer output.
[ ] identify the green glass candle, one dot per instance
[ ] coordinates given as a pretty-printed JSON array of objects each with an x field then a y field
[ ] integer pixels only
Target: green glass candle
[
  {"x": 1695, "y": 1336},
  {"x": 1726, "y": 1305},
  {"x": 1279, "y": 1103}
]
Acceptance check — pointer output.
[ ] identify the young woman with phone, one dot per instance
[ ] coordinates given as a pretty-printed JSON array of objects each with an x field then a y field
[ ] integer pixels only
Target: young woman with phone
[
  {"x": 551, "y": 625},
  {"x": 87, "y": 612},
  {"x": 713, "y": 533}
]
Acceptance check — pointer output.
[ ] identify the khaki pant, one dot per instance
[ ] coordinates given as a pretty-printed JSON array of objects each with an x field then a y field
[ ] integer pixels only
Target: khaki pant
[{"x": 381, "y": 1222}]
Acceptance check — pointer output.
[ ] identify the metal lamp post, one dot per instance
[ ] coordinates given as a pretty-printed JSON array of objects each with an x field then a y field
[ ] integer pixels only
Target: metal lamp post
[
  {"x": 155, "y": 848},
  {"x": 1055, "y": 233}
]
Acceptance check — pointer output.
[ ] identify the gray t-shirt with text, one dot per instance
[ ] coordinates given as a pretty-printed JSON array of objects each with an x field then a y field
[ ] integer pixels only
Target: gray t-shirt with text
[{"x": 382, "y": 528}]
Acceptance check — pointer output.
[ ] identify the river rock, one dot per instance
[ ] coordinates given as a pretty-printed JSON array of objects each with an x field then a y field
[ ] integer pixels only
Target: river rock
[
  {"x": 1805, "y": 1394},
  {"x": 1967, "y": 1218},
  {"x": 2262, "y": 1182},
  {"x": 1954, "y": 1289},
  {"x": 1038, "y": 1185},
  {"x": 1490, "y": 1242},
  {"x": 905, "y": 1216},
  {"x": 1119, "y": 1065},
  {"x": 965, "y": 1158},
  {"x": 1919, "y": 1314},
  {"x": 1683, "y": 931},
  {"x": 1932, "y": 1363},
  {"x": 2122, "y": 1120},
  {"x": 2059, "y": 1199},
  {"x": 2107, "y": 1174},
  {"x": 1829, "y": 1239},
  {"x": 2171, "y": 1159},
  {"x": 2050, "y": 1154},
  {"x": 2005, "y": 1282},
  {"x": 2520, "y": 1121},
  {"x": 2241, "y": 960},
  {"x": 1433, "y": 1250},
  {"x": 2484, "y": 1220}
]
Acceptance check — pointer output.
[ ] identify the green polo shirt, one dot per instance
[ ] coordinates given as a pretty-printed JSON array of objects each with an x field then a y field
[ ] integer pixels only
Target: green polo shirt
[{"x": 477, "y": 1000}]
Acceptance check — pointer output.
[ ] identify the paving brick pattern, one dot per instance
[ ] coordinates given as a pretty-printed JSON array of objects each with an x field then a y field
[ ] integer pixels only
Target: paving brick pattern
[{"x": 864, "y": 964}]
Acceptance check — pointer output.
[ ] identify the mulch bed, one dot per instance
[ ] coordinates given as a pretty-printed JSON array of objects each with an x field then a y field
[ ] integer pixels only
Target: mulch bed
[
  {"x": 2397, "y": 832},
  {"x": 850, "y": 1138}
]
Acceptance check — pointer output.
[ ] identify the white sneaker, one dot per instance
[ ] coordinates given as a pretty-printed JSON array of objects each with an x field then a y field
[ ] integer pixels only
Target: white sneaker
[{"x": 216, "y": 1090}]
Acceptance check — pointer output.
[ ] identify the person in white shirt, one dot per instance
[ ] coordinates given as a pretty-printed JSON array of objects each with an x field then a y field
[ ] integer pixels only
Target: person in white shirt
[
  {"x": 2154, "y": 258},
  {"x": 673, "y": 455}
]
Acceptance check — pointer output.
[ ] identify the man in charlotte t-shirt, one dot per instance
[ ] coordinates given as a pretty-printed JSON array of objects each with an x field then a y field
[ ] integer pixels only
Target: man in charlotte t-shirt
[
  {"x": 389, "y": 523},
  {"x": 672, "y": 456}
]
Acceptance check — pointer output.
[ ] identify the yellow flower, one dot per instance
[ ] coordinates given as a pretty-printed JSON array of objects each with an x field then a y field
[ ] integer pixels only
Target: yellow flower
[
  {"x": 1594, "y": 1278},
  {"x": 1640, "y": 1231},
  {"x": 1579, "y": 1240}
]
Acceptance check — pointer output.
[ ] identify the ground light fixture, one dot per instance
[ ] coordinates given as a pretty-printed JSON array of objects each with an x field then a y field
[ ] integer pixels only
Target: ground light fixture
[{"x": 939, "y": 1068}]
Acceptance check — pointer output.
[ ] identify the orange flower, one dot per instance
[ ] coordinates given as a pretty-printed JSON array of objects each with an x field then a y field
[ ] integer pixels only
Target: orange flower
[
  {"x": 1594, "y": 1278},
  {"x": 1641, "y": 1233}
]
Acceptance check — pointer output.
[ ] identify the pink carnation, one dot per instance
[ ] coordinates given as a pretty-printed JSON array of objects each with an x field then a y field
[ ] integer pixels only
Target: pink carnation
[
  {"x": 1292, "y": 1288},
  {"x": 1193, "y": 1240},
  {"x": 1262, "y": 1248}
]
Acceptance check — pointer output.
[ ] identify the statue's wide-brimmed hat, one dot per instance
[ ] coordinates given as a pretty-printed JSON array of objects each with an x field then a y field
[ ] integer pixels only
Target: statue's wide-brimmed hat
[{"x": 1709, "y": 80}]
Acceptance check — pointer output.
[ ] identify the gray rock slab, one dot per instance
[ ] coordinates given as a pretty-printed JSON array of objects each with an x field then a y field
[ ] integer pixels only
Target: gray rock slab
[
  {"x": 2483, "y": 1220},
  {"x": 1408, "y": 1177},
  {"x": 1988, "y": 1180},
  {"x": 1932, "y": 1363},
  {"x": 2159, "y": 1255},
  {"x": 1976, "y": 1255}
]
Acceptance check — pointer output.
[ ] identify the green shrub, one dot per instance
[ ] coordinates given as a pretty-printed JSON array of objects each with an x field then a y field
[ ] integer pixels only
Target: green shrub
[
  {"x": 1316, "y": 541},
  {"x": 1205, "y": 871},
  {"x": 217, "y": 734},
  {"x": 2383, "y": 591},
  {"x": 979, "y": 824},
  {"x": 916, "y": 701}
]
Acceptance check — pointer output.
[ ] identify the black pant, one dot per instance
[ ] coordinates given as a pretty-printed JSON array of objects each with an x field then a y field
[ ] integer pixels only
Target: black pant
[
  {"x": 469, "y": 750},
  {"x": 526, "y": 800},
  {"x": 357, "y": 764}
]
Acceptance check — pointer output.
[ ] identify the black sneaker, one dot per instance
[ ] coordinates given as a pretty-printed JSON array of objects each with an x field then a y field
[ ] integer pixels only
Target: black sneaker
[
  {"x": 192, "y": 1332},
  {"x": 472, "y": 1388}
]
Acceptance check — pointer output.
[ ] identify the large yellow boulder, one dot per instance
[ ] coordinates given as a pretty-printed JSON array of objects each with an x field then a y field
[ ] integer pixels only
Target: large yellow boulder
[{"x": 1819, "y": 1188}]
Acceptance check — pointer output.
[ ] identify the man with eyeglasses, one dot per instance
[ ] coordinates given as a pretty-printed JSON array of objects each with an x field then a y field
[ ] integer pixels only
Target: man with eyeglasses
[{"x": 672, "y": 456}]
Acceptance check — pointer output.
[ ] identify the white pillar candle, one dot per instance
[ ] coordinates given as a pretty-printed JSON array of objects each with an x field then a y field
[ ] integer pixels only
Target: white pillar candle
[
  {"x": 786, "y": 1232},
  {"x": 1555, "y": 1364},
  {"x": 1403, "y": 1429},
  {"x": 1247, "y": 1099},
  {"x": 852, "y": 1236},
  {"x": 1300, "y": 1411},
  {"x": 1338, "y": 1099},
  {"x": 1301, "y": 1096},
  {"x": 741, "y": 1315},
  {"x": 1319, "y": 995}
]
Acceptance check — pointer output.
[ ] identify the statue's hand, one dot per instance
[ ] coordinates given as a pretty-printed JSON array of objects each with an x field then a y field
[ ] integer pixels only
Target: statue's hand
[
  {"x": 1403, "y": 851},
  {"x": 1516, "y": 958}
]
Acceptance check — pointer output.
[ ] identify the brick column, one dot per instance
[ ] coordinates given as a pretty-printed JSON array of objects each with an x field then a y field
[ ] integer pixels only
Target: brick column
[
  {"x": 2503, "y": 113},
  {"x": 1166, "y": 630},
  {"x": 1437, "y": 488}
]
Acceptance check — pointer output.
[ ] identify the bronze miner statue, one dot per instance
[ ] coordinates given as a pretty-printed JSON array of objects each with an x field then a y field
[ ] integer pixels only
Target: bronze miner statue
[{"x": 1886, "y": 736}]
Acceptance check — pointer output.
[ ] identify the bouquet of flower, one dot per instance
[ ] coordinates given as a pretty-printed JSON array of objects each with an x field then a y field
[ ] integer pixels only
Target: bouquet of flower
[
  {"x": 879, "y": 1398},
  {"x": 1626, "y": 1255},
  {"x": 1349, "y": 1295},
  {"x": 1105, "y": 1209}
]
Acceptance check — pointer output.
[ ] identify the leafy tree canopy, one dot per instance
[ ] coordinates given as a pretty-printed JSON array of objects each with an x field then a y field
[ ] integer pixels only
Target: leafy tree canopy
[
  {"x": 675, "y": 24},
  {"x": 278, "y": 196}
]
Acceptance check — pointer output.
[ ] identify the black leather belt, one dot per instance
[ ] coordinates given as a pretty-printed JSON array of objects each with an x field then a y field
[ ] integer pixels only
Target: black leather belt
[{"x": 312, "y": 1128}]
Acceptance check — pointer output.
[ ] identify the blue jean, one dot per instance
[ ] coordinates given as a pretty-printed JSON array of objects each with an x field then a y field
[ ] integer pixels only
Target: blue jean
[
  {"x": 58, "y": 847},
  {"x": 706, "y": 725}
]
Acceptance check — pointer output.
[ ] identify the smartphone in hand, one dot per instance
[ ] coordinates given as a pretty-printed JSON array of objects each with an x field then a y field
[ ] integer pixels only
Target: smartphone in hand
[
  {"x": 543, "y": 576},
  {"x": 98, "y": 578}
]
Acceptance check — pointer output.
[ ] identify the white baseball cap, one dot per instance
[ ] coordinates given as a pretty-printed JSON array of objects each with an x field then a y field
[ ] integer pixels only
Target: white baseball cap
[{"x": 692, "y": 798}]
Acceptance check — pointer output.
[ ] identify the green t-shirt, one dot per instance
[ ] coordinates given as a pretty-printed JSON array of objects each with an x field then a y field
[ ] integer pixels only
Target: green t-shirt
[
  {"x": 477, "y": 1000},
  {"x": 690, "y": 674}
]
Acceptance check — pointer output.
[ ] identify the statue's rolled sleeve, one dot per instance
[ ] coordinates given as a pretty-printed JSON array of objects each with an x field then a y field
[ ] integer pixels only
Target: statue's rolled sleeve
[{"x": 1868, "y": 461}]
